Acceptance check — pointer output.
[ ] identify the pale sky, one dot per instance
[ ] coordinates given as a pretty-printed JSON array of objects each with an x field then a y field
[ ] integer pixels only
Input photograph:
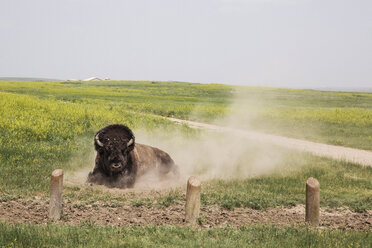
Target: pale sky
[{"x": 280, "y": 43}]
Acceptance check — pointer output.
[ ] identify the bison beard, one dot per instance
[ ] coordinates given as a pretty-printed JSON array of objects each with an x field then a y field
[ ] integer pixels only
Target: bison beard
[{"x": 120, "y": 160}]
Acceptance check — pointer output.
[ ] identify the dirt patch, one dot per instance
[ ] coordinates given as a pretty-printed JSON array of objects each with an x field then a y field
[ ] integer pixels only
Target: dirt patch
[{"x": 35, "y": 211}]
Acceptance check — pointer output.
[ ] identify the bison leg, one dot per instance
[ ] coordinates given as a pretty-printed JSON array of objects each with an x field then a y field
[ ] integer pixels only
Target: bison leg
[{"x": 111, "y": 182}]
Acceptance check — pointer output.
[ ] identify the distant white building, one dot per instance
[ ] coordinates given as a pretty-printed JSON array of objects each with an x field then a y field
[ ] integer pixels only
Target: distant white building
[{"x": 92, "y": 79}]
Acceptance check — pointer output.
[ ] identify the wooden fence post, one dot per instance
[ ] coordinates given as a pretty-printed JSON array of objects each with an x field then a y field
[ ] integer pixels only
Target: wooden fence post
[
  {"x": 192, "y": 201},
  {"x": 55, "y": 202},
  {"x": 312, "y": 201}
]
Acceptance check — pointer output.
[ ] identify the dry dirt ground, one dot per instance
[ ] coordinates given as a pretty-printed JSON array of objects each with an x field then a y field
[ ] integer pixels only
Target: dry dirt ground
[
  {"x": 336, "y": 152},
  {"x": 35, "y": 211}
]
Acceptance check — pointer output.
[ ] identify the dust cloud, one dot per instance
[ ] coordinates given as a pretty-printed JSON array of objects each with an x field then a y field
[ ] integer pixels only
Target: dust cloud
[{"x": 216, "y": 154}]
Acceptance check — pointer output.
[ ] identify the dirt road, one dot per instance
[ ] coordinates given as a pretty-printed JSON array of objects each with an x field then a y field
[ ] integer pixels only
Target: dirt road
[{"x": 336, "y": 152}]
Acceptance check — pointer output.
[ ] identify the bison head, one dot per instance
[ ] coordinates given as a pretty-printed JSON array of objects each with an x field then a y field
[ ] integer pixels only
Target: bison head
[{"x": 113, "y": 143}]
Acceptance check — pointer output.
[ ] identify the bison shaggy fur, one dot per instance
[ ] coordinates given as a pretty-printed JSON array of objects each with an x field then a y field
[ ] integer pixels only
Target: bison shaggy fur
[{"x": 120, "y": 160}]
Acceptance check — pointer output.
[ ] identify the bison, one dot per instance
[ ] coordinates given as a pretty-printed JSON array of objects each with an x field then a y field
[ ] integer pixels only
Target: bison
[{"x": 120, "y": 160}]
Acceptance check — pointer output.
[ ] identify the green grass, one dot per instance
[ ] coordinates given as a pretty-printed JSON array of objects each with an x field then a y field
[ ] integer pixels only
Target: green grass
[
  {"x": 167, "y": 99},
  {"x": 88, "y": 235},
  {"x": 88, "y": 195},
  {"x": 337, "y": 126},
  {"x": 341, "y": 184},
  {"x": 339, "y": 118}
]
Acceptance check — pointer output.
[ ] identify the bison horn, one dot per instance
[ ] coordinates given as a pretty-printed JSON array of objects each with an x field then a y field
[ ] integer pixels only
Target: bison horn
[
  {"x": 98, "y": 142},
  {"x": 130, "y": 142}
]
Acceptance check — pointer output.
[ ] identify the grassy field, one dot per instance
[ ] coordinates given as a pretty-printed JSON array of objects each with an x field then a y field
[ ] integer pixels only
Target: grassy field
[
  {"x": 88, "y": 235},
  {"x": 339, "y": 118},
  {"x": 342, "y": 184},
  {"x": 45, "y": 125}
]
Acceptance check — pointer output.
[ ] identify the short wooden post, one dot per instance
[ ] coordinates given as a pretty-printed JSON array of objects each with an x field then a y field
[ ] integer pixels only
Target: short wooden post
[
  {"x": 312, "y": 201},
  {"x": 56, "y": 186},
  {"x": 192, "y": 201}
]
